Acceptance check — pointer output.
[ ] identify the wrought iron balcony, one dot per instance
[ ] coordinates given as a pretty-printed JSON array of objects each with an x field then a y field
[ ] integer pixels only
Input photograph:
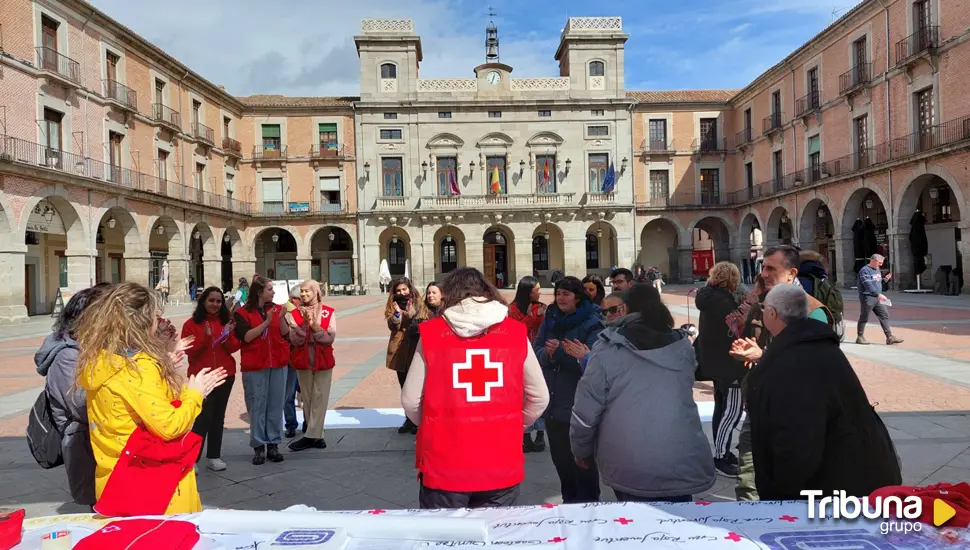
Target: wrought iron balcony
[
  {"x": 772, "y": 123},
  {"x": 121, "y": 94},
  {"x": 923, "y": 41},
  {"x": 709, "y": 145},
  {"x": 167, "y": 116},
  {"x": 656, "y": 147},
  {"x": 934, "y": 137},
  {"x": 307, "y": 208},
  {"x": 855, "y": 78},
  {"x": 490, "y": 202},
  {"x": 328, "y": 151},
  {"x": 808, "y": 103},
  {"x": 264, "y": 153},
  {"x": 232, "y": 147},
  {"x": 60, "y": 67},
  {"x": 203, "y": 133},
  {"x": 744, "y": 137}
]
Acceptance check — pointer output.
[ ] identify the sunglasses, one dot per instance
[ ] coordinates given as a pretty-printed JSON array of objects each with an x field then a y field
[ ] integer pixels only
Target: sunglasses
[{"x": 613, "y": 310}]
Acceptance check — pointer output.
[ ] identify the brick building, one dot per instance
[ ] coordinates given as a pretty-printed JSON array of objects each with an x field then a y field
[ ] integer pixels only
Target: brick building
[{"x": 115, "y": 158}]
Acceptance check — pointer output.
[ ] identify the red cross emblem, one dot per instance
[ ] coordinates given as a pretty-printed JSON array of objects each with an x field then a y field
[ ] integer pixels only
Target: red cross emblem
[
  {"x": 477, "y": 375},
  {"x": 376, "y": 512},
  {"x": 733, "y": 537},
  {"x": 623, "y": 521},
  {"x": 788, "y": 518},
  {"x": 557, "y": 539}
]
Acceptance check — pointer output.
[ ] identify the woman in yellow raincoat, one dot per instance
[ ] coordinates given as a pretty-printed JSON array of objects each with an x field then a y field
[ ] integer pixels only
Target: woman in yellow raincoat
[{"x": 129, "y": 372}]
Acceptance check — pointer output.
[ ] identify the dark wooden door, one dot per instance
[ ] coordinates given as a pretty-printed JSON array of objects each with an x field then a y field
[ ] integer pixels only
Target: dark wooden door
[
  {"x": 49, "y": 41},
  {"x": 490, "y": 263}
]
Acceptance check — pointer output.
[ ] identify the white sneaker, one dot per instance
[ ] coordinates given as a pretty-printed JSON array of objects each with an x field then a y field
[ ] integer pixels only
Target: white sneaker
[{"x": 216, "y": 464}]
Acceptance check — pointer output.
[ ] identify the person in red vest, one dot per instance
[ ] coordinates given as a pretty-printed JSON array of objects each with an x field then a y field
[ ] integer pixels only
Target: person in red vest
[
  {"x": 313, "y": 331},
  {"x": 473, "y": 386},
  {"x": 263, "y": 359},
  {"x": 213, "y": 344}
]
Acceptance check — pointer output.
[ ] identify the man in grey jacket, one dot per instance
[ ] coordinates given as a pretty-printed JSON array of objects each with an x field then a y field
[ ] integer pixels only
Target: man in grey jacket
[{"x": 635, "y": 408}]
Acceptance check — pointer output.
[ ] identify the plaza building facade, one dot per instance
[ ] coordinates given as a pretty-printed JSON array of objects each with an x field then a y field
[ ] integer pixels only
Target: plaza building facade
[{"x": 116, "y": 158}]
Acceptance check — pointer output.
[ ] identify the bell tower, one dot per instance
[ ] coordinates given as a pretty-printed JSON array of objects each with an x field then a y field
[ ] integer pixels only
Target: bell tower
[{"x": 491, "y": 39}]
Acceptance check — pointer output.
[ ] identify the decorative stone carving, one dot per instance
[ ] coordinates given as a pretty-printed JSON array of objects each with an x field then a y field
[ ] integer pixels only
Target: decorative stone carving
[
  {"x": 393, "y": 220},
  {"x": 389, "y": 85},
  {"x": 495, "y": 140},
  {"x": 545, "y": 139},
  {"x": 539, "y": 84},
  {"x": 447, "y": 85},
  {"x": 594, "y": 24},
  {"x": 447, "y": 219},
  {"x": 391, "y": 147},
  {"x": 597, "y": 83},
  {"x": 596, "y": 143},
  {"x": 386, "y": 25},
  {"x": 445, "y": 140}
]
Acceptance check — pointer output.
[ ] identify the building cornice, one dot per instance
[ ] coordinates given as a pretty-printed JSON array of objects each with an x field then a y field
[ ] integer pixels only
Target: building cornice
[
  {"x": 811, "y": 48},
  {"x": 471, "y": 104},
  {"x": 648, "y": 107}
]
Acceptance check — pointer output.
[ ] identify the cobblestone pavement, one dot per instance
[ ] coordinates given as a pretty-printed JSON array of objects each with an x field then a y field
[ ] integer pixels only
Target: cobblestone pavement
[{"x": 922, "y": 386}]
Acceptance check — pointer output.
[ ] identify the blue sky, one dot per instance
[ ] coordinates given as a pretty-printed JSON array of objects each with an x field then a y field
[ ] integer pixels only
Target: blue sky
[{"x": 253, "y": 46}]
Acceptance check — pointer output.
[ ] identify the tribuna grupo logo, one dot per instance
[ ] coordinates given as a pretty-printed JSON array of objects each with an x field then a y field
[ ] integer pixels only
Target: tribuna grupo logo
[{"x": 897, "y": 514}]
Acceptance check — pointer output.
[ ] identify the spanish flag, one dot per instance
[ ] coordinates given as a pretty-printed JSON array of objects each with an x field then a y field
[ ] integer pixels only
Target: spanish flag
[{"x": 496, "y": 183}]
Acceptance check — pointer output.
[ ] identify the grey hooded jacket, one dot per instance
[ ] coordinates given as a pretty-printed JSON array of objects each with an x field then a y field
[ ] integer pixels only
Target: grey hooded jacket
[
  {"x": 635, "y": 411},
  {"x": 57, "y": 361}
]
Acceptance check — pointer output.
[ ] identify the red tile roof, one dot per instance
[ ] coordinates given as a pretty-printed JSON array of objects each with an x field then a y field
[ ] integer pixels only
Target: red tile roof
[
  {"x": 683, "y": 96},
  {"x": 276, "y": 100}
]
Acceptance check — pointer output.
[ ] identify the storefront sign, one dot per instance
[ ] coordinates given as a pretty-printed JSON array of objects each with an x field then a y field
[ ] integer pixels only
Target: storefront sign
[
  {"x": 299, "y": 207},
  {"x": 286, "y": 269},
  {"x": 341, "y": 272}
]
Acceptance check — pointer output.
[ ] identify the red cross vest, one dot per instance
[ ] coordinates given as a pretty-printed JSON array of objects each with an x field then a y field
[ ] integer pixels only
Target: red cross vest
[
  {"x": 471, "y": 412},
  {"x": 323, "y": 353},
  {"x": 270, "y": 350}
]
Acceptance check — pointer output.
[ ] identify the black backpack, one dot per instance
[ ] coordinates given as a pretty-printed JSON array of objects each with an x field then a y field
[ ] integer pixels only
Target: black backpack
[{"x": 42, "y": 436}]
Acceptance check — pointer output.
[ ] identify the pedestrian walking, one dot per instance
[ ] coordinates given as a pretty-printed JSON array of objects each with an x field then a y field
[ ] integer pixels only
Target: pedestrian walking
[{"x": 871, "y": 299}]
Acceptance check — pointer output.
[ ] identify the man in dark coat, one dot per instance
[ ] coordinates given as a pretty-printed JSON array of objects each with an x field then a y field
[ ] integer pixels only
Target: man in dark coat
[{"x": 812, "y": 427}]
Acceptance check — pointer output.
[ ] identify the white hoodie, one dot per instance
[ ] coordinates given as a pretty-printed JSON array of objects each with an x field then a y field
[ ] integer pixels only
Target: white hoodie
[{"x": 467, "y": 319}]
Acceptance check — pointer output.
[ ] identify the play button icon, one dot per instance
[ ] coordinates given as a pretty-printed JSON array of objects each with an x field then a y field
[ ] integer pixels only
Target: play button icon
[{"x": 942, "y": 512}]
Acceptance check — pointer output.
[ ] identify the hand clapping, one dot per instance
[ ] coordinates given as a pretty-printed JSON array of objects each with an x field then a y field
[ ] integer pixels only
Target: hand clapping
[{"x": 207, "y": 380}]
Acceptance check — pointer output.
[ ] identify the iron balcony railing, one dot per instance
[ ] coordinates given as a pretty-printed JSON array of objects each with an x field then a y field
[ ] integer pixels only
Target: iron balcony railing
[
  {"x": 709, "y": 145},
  {"x": 855, "y": 78},
  {"x": 772, "y": 122},
  {"x": 51, "y": 61},
  {"x": 232, "y": 147},
  {"x": 121, "y": 94},
  {"x": 808, "y": 103},
  {"x": 328, "y": 151},
  {"x": 203, "y": 132},
  {"x": 744, "y": 137},
  {"x": 685, "y": 199},
  {"x": 931, "y": 138},
  {"x": 922, "y": 41},
  {"x": 656, "y": 146},
  {"x": 268, "y": 153},
  {"x": 167, "y": 115},
  {"x": 309, "y": 207}
]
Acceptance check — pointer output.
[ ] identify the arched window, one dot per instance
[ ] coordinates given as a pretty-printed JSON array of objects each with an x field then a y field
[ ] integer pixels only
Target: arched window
[
  {"x": 597, "y": 68},
  {"x": 396, "y": 258},
  {"x": 388, "y": 70},
  {"x": 592, "y": 251},
  {"x": 449, "y": 255},
  {"x": 540, "y": 253}
]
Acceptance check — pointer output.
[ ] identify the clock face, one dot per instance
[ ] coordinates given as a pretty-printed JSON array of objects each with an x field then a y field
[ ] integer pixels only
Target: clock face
[{"x": 493, "y": 77}]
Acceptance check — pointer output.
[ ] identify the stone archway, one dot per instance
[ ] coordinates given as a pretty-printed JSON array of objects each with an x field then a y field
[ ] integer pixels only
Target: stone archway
[
  {"x": 816, "y": 232},
  {"x": 276, "y": 250},
  {"x": 548, "y": 252},
  {"x": 166, "y": 248},
  {"x": 332, "y": 256},
  {"x": 865, "y": 227},
  {"x": 231, "y": 259},
  {"x": 601, "y": 249},
  {"x": 659, "y": 247},
  {"x": 499, "y": 256},
  {"x": 59, "y": 253},
  {"x": 395, "y": 243},
  {"x": 751, "y": 238},
  {"x": 13, "y": 304},
  {"x": 205, "y": 264},
  {"x": 941, "y": 202},
  {"x": 450, "y": 250},
  {"x": 780, "y": 228},
  {"x": 711, "y": 243},
  {"x": 117, "y": 238}
]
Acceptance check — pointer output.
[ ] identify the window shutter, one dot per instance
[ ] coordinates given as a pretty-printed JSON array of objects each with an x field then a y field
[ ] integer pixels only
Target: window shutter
[
  {"x": 271, "y": 131},
  {"x": 328, "y": 128},
  {"x": 328, "y": 183},
  {"x": 272, "y": 190},
  {"x": 813, "y": 145}
]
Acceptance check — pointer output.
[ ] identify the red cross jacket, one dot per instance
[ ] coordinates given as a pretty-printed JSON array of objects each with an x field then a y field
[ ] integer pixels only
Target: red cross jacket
[
  {"x": 322, "y": 353},
  {"x": 471, "y": 411}
]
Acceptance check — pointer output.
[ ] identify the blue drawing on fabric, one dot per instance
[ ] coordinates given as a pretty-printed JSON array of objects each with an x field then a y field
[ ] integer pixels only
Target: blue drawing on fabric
[
  {"x": 840, "y": 539},
  {"x": 927, "y": 539},
  {"x": 303, "y": 537}
]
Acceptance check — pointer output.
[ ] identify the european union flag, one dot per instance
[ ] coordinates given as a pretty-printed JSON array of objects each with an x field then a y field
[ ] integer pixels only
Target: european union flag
[{"x": 609, "y": 182}]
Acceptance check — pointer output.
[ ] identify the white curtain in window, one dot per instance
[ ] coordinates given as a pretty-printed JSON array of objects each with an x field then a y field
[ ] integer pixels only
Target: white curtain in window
[{"x": 273, "y": 190}]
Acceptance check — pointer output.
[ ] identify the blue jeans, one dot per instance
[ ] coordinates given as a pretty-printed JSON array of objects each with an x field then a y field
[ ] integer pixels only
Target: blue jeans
[
  {"x": 539, "y": 425},
  {"x": 289, "y": 400},
  {"x": 263, "y": 390}
]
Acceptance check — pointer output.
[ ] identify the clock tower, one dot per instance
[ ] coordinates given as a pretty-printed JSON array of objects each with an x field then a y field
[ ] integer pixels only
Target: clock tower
[{"x": 493, "y": 76}]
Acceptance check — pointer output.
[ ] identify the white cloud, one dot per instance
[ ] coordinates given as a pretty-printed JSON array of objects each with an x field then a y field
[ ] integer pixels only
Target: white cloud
[{"x": 302, "y": 48}]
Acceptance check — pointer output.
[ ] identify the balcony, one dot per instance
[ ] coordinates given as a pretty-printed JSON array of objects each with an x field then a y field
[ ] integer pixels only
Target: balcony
[
  {"x": 928, "y": 139},
  {"x": 121, "y": 95},
  {"x": 232, "y": 147},
  {"x": 920, "y": 44},
  {"x": 772, "y": 123},
  {"x": 594, "y": 199},
  {"x": 167, "y": 116},
  {"x": 269, "y": 154},
  {"x": 391, "y": 203},
  {"x": 59, "y": 68},
  {"x": 744, "y": 137},
  {"x": 296, "y": 208},
  {"x": 855, "y": 79},
  {"x": 329, "y": 151},
  {"x": 656, "y": 147},
  {"x": 203, "y": 133},
  {"x": 752, "y": 193},
  {"x": 489, "y": 202},
  {"x": 711, "y": 145},
  {"x": 706, "y": 198},
  {"x": 807, "y": 104}
]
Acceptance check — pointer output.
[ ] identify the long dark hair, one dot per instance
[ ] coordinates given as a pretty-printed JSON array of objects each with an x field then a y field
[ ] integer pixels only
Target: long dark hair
[
  {"x": 468, "y": 282},
  {"x": 523, "y": 293},
  {"x": 574, "y": 285},
  {"x": 644, "y": 299},
  {"x": 200, "y": 313},
  {"x": 66, "y": 323},
  {"x": 428, "y": 306},
  {"x": 255, "y": 289},
  {"x": 600, "y": 288}
]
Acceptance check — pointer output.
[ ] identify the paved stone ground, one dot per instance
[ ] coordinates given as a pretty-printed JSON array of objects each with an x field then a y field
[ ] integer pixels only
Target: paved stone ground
[{"x": 922, "y": 387}]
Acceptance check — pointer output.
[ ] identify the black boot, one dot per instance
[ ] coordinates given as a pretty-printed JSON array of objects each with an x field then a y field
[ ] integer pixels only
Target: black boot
[
  {"x": 260, "y": 456},
  {"x": 320, "y": 443},
  {"x": 301, "y": 444},
  {"x": 540, "y": 444},
  {"x": 527, "y": 445},
  {"x": 273, "y": 453},
  {"x": 406, "y": 427}
]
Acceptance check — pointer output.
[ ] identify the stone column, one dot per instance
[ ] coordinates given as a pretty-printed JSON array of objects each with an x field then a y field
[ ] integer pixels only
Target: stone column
[
  {"x": 137, "y": 267},
  {"x": 523, "y": 259},
  {"x": 212, "y": 270},
  {"x": 304, "y": 268},
  {"x": 178, "y": 278},
  {"x": 429, "y": 261},
  {"x": 574, "y": 256},
  {"x": 243, "y": 267},
  {"x": 686, "y": 265},
  {"x": 964, "y": 248},
  {"x": 625, "y": 252},
  {"x": 845, "y": 258},
  {"x": 80, "y": 268},
  {"x": 418, "y": 274},
  {"x": 739, "y": 253},
  {"x": 12, "y": 302},
  {"x": 475, "y": 254}
]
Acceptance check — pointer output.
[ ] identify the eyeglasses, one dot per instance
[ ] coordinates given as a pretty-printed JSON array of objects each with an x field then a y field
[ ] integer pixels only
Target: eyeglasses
[{"x": 613, "y": 310}]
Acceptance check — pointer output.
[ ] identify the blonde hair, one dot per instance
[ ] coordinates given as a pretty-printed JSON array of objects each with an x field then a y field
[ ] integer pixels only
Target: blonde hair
[
  {"x": 724, "y": 275},
  {"x": 124, "y": 320}
]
